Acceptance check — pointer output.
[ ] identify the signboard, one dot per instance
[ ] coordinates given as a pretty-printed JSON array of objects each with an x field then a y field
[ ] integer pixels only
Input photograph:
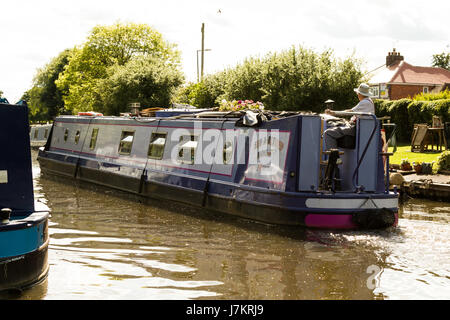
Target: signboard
[{"x": 383, "y": 91}]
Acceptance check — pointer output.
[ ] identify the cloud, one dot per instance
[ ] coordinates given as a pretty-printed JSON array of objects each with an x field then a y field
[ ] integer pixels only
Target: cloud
[
  {"x": 40, "y": 30},
  {"x": 377, "y": 19}
]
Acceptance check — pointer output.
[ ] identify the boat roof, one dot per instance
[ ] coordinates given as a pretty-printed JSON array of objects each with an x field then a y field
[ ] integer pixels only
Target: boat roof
[{"x": 209, "y": 115}]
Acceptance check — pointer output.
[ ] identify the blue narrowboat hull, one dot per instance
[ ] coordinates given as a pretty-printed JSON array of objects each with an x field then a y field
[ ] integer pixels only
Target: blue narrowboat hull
[
  {"x": 24, "y": 251},
  {"x": 23, "y": 229},
  {"x": 250, "y": 203}
]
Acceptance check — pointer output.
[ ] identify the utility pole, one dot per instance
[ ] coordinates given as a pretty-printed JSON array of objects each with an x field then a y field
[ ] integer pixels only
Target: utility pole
[
  {"x": 203, "y": 51},
  {"x": 198, "y": 72}
]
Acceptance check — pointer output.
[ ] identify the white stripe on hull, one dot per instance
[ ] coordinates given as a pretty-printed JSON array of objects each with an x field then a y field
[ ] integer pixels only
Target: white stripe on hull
[{"x": 367, "y": 203}]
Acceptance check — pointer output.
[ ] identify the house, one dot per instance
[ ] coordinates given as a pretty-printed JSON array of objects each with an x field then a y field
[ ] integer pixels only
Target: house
[{"x": 398, "y": 79}]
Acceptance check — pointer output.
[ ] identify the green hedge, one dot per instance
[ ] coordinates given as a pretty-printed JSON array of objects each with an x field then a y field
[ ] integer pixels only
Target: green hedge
[
  {"x": 406, "y": 112},
  {"x": 293, "y": 79}
]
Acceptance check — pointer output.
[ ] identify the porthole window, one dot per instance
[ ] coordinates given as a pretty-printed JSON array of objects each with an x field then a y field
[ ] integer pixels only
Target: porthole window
[
  {"x": 93, "y": 138},
  {"x": 188, "y": 146},
  {"x": 126, "y": 142},
  {"x": 66, "y": 134},
  {"x": 77, "y": 136},
  {"x": 157, "y": 144},
  {"x": 227, "y": 152}
]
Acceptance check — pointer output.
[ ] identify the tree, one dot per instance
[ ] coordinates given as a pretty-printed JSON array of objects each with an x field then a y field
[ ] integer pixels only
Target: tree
[
  {"x": 441, "y": 60},
  {"x": 146, "y": 80},
  {"x": 293, "y": 79},
  {"x": 45, "y": 99},
  {"x": 106, "y": 50}
]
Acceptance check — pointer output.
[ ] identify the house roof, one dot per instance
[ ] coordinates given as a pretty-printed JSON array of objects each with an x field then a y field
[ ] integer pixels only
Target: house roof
[{"x": 405, "y": 73}]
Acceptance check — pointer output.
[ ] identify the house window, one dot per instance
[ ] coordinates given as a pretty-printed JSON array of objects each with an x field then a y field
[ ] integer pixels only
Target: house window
[
  {"x": 156, "y": 147},
  {"x": 93, "y": 139},
  {"x": 186, "y": 152},
  {"x": 126, "y": 142},
  {"x": 66, "y": 135},
  {"x": 425, "y": 89},
  {"x": 77, "y": 136},
  {"x": 375, "y": 91}
]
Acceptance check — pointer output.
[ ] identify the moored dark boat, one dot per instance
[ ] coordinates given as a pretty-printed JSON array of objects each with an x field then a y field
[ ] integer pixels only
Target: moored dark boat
[
  {"x": 262, "y": 166},
  {"x": 23, "y": 229}
]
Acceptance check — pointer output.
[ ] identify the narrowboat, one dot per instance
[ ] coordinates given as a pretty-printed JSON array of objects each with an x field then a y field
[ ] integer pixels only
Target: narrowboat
[
  {"x": 23, "y": 228},
  {"x": 259, "y": 165},
  {"x": 39, "y": 134}
]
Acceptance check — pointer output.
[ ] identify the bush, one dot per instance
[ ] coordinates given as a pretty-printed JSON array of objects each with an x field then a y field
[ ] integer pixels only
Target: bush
[
  {"x": 442, "y": 109},
  {"x": 294, "y": 79},
  {"x": 443, "y": 162},
  {"x": 419, "y": 112},
  {"x": 432, "y": 96},
  {"x": 382, "y": 107},
  {"x": 398, "y": 112},
  {"x": 406, "y": 112}
]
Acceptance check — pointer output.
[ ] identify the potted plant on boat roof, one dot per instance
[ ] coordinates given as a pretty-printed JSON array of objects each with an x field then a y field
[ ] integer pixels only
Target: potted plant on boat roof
[
  {"x": 405, "y": 165},
  {"x": 237, "y": 105}
]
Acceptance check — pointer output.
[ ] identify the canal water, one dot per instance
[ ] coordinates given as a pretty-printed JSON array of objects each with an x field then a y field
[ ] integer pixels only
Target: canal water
[{"x": 105, "y": 244}]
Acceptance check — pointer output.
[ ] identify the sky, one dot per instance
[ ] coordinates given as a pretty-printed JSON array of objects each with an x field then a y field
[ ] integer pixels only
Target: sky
[{"x": 33, "y": 32}]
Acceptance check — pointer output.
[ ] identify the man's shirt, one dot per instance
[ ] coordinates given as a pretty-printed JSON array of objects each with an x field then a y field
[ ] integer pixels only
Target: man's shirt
[{"x": 365, "y": 105}]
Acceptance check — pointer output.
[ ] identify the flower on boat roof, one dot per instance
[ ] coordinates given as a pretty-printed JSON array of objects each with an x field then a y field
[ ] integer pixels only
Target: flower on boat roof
[{"x": 237, "y": 105}]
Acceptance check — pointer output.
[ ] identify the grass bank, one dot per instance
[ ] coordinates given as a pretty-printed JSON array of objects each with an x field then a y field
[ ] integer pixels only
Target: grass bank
[{"x": 404, "y": 152}]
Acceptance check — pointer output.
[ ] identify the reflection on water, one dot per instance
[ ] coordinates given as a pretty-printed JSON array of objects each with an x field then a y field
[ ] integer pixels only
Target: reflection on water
[{"x": 106, "y": 245}]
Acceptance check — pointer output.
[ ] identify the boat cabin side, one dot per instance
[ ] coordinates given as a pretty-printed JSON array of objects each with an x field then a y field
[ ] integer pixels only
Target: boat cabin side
[
  {"x": 39, "y": 134},
  {"x": 285, "y": 154}
]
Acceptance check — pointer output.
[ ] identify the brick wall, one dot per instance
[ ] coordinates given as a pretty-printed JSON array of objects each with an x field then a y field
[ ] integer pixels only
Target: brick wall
[{"x": 398, "y": 91}]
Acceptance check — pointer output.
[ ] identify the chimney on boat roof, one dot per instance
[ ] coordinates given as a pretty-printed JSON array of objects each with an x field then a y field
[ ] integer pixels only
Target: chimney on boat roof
[{"x": 134, "y": 108}]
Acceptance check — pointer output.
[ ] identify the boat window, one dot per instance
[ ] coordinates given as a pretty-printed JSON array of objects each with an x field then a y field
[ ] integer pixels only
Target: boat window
[
  {"x": 227, "y": 152},
  {"x": 66, "y": 134},
  {"x": 93, "y": 139},
  {"x": 126, "y": 142},
  {"x": 77, "y": 136},
  {"x": 46, "y": 133},
  {"x": 156, "y": 147},
  {"x": 35, "y": 133},
  {"x": 186, "y": 152}
]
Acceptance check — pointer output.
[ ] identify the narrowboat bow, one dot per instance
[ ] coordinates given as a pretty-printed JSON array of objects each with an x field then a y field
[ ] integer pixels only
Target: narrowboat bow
[{"x": 265, "y": 166}]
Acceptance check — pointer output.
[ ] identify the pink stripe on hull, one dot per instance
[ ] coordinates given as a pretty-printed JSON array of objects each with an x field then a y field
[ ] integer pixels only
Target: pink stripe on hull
[
  {"x": 334, "y": 221},
  {"x": 330, "y": 221}
]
